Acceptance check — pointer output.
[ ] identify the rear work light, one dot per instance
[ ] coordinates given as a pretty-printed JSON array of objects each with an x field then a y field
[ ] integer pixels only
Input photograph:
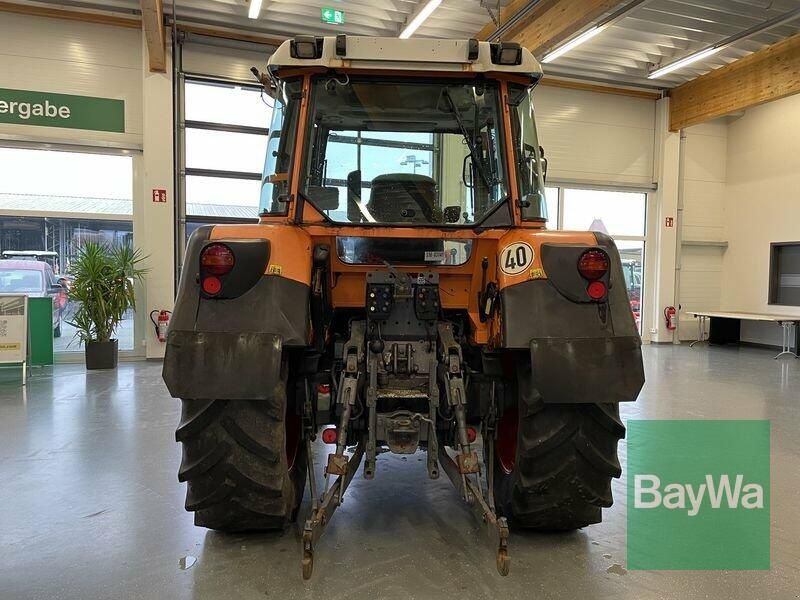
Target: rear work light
[
  {"x": 216, "y": 259},
  {"x": 593, "y": 264}
]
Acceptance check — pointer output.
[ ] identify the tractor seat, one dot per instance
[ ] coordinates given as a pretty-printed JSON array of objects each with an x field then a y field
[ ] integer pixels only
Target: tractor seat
[{"x": 403, "y": 198}]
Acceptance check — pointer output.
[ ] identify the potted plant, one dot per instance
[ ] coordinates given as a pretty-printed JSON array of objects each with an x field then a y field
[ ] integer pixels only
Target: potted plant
[{"x": 103, "y": 288}]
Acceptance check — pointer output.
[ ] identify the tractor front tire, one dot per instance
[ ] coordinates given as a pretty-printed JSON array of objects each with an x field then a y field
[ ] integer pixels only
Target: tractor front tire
[
  {"x": 554, "y": 463},
  {"x": 243, "y": 462}
]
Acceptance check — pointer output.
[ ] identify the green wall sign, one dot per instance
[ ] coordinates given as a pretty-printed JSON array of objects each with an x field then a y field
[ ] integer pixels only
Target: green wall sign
[
  {"x": 332, "y": 16},
  {"x": 23, "y": 107}
]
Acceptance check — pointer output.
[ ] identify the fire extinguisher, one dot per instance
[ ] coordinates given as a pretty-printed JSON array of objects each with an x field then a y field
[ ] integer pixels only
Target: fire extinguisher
[
  {"x": 161, "y": 323},
  {"x": 670, "y": 316}
]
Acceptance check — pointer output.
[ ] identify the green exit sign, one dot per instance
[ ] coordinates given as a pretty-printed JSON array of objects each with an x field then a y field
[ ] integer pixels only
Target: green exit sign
[{"x": 332, "y": 16}]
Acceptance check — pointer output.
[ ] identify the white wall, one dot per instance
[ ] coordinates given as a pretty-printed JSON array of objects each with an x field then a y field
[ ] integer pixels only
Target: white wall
[
  {"x": 702, "y": 221},
  {"x": 591, "y": 137},
  {"x": 69, "y": 57},
  {"x": 223, "y": 62},
  {"x": 762, "y": 206}
]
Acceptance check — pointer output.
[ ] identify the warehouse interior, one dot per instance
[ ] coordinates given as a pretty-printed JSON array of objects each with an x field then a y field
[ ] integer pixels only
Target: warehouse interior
[{"x": 667, "y": 125}]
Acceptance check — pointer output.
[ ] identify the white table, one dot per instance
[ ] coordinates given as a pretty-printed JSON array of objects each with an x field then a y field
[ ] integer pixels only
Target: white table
[{"x": 788, "y": 323}]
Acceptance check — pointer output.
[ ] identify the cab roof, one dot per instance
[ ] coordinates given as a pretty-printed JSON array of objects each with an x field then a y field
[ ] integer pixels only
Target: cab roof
[{"x": 416, "y": 54}]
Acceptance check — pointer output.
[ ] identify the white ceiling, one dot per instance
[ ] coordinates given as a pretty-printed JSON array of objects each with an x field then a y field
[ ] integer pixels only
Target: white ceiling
[{"x": 655, "y": 32}]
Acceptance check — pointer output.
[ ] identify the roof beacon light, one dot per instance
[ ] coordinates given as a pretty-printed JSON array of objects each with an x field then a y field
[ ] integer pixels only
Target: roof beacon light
[{"x": 419, "y": 19}]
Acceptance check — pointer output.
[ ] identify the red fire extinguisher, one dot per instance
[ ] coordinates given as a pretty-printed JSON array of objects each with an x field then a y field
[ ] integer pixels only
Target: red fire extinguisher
[
  {"x": 671, "y": 317},
  {"x": 161, "y": 323}
]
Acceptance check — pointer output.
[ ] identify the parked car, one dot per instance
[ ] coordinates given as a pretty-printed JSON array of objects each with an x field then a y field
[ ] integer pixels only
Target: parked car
[
  {"x": 36, "y": 279},
  {"x": 48, "y": 256}
]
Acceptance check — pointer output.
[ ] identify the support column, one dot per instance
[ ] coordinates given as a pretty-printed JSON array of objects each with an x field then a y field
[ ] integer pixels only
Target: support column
[
  {"x": 667, "y": 167},
  {"x": 157, "y": 222}
]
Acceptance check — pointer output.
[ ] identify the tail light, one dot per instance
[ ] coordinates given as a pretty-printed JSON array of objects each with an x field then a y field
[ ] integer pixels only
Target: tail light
[
  {"x": 329, "y": 435},
  {"x": 593, "y": 264},
  {"x": 596, "y": 290},
  {"x": 472, "y": 435},
  {"x": 216, "y": 259}
]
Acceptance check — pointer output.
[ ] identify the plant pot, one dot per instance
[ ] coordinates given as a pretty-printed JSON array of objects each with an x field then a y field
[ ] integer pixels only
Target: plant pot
[{"x": 101, "y": 355}]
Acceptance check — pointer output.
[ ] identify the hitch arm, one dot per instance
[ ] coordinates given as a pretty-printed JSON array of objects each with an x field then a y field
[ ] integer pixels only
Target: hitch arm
[
  {"x": 496, "y": 527},
  {"x": 328, "y": 504}
]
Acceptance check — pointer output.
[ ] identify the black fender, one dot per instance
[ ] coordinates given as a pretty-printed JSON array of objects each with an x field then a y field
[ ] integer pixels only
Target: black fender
[
  {"x": 581, "y": 351},
  {"x": 231, "y": 347}
]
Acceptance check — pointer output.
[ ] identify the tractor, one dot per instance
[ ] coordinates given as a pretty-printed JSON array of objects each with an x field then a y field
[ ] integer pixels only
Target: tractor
[{"x": 400, "y": 293}]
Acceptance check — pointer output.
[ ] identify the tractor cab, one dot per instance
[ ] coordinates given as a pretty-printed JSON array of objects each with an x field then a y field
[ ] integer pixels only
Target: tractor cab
[{"x": 378, "y": 136}]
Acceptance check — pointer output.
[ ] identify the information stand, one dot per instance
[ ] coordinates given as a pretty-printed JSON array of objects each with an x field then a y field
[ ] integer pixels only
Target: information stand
[{"x": 14, "y": 331}]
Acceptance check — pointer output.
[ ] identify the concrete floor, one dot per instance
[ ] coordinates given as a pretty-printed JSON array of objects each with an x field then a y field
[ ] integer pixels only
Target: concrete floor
[{"x": 90, "y": 506}]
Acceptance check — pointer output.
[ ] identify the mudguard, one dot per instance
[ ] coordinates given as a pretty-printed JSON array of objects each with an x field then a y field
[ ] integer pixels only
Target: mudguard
[
  {"x": 581, "y": 351},
  {"x": 230, "y": 348}
]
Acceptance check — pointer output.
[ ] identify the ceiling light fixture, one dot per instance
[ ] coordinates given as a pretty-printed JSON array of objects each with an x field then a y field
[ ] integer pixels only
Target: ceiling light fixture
[
  {"x": 413, "y": 24},
  {"x": 574, "y": 42},
  {"x": 686, "y": 60},
  {"x": 592, "y": 31},
  {"x": 255, "y": 9},
  {"x": 722, "y": 44}
]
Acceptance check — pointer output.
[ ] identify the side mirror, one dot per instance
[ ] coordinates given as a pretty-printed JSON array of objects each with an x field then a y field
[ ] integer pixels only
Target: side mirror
[
  {"x": 354, "y": 196},
  {"x": 56, "y": 288},
  {"x": 451, "y": 214},
  {"x": 466, "y": 171},
  {"x": 544, "y": 163}
]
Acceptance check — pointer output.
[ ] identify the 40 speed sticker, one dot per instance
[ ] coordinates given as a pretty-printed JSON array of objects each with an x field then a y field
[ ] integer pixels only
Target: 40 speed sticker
[{"x": 516, "y": 258}]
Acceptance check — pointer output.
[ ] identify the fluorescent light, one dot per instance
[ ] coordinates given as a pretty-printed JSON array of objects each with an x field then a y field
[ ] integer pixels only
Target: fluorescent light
[
  {"x": 419, "y": 19},
  {"x": 686, "y": 60},
  {"x": 573, "y": 43},
  {"x": 255, "y": 8}
]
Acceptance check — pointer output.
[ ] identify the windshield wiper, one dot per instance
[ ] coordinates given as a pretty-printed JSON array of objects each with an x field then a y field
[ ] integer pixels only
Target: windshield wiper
[{"x": 473, "y": 149}]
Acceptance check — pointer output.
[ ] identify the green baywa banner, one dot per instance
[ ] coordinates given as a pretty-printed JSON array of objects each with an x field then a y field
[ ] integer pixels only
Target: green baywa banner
[{"x": 23, "y": 107}]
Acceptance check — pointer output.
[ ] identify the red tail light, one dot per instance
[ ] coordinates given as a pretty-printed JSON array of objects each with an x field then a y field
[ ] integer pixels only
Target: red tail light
[
  {"x": 472, "y": 435},
  {"x": 212, "y": 285},
  {"x": 596, "y": 290},
  {"x": 217, "y": 259},
  {"x": 593, "y": 264},
  {"x": 329, "y": 435}
]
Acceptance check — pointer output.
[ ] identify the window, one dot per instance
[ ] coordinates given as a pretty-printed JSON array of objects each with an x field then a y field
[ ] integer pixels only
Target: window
[
  {"x": 614, "y": 213},
  {"x": 551, "y": 198},
  {"x": 51, "y": 202},
  {"x": 405, "y": 152},
  {"x": 530, "y": 166},
  {"x": 620, "y": 214},
  {"x": 224, "y": 143}
]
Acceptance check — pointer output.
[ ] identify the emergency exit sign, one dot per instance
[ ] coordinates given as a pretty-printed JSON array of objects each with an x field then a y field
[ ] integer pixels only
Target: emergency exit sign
[{"x": 332, "y": 16}]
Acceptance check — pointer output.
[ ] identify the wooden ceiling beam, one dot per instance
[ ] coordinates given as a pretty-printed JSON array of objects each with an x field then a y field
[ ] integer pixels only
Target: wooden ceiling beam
[
  {"x": 571, "y": 84},
  {"x": 768, "y": 74},
  {"x": 155, "y": 34},
  {"x": 549, "y": 23}
]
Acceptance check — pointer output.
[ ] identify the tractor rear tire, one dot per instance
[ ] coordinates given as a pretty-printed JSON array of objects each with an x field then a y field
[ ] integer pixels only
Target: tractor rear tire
[
  {"x": 242, "y": 475},
  {"x": 554, "y": 462}
]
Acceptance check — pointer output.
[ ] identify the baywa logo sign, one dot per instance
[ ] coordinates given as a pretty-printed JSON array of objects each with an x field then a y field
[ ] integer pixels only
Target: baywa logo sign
[{"x": 698, "y": 495}]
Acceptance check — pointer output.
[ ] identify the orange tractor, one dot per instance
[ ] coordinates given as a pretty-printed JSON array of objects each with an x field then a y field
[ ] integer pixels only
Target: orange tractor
[{"x": 401, "y": 293}]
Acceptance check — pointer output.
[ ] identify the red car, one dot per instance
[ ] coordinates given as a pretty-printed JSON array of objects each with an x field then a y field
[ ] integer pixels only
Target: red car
[{"x": 37, "y": 280}]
